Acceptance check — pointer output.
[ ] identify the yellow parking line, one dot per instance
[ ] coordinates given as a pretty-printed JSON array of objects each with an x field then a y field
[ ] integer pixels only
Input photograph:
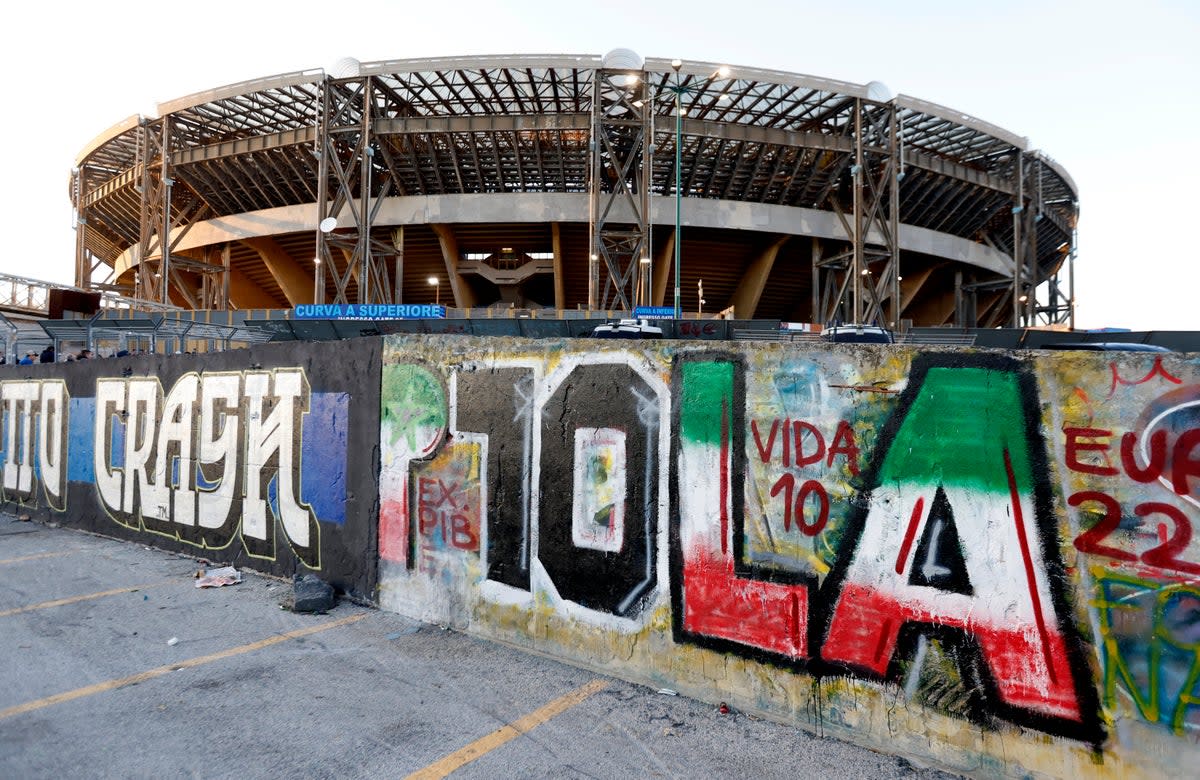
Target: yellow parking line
[
  {"x": 500, "y": 736},
  {"x": 140, "y": 677},
  {"x": 77, "y": 599},
  {"x": 36, "y": 556}
]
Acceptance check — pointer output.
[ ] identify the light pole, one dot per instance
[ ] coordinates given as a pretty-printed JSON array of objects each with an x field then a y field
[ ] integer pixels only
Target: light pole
[
  {"x": 678, "y": 88},
  {"x": 700, "y": 297},
  {"x": 436, "y": 284},
  {"x": 675, "y": 66}
]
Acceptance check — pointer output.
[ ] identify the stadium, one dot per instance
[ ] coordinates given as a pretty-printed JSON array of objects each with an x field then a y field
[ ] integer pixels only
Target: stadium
[{"x": 557, "y": 184}]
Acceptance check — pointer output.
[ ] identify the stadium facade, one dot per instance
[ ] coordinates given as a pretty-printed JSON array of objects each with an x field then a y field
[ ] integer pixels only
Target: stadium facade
[{"x": 577, "y": 182}]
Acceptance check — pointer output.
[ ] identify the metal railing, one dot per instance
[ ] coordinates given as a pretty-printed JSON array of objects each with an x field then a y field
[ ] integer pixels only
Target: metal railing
[{"x": 20, "y": 294}]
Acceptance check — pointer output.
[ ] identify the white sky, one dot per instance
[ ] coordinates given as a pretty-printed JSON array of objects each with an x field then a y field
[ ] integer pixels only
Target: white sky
[{"x": 1109, "y": 90}]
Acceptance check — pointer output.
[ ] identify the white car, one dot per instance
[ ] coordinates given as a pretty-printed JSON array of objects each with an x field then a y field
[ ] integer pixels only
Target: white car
[{"x": 627, "y": 329}]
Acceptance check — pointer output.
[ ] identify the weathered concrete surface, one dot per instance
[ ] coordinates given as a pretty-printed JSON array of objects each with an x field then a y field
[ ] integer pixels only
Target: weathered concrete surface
[
  {"x": 979, "y": 558},
  {"x": 380, "y": 697}
]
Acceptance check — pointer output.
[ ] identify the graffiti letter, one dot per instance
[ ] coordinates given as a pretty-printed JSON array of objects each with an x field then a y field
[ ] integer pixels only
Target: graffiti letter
[
  {"x": 711, "y": 600},
  {"x": 844, "y": 445},
  {"x": 599, "y": 433},
  {"x": 219, "y": 500},
  {"x": 276, "y": 402},
  {"x": 1076, "y": 446},
  {"x": 1155, "y": 462},
  {"x": 142, "y": 497},
  {"x": 1183, "y": 462},
  {"x": 52, "y": 442},
  {"x": 1000, "y": 585},
  {"x": 818, "y": 452},
  {"x": 174, "y": 460},
  {"x": 765, "y": 452}
]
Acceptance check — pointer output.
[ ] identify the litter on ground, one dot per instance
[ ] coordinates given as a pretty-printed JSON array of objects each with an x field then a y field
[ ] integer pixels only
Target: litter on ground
[{"x": 215, "y": 578}]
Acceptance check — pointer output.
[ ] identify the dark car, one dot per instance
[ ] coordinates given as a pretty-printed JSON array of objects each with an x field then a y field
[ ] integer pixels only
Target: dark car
[
  {"x": 857, "y": 334},
  {"x": 1105, "y": 346}
]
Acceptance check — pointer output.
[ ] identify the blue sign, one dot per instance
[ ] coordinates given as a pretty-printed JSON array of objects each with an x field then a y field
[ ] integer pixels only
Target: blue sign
[
  {"x": 654, "y": 312},
  {"x": 369, "y": 311}
]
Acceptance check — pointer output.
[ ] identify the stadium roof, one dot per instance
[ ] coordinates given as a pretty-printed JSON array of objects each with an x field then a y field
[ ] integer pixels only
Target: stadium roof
[{"x": 520, "y": 125}]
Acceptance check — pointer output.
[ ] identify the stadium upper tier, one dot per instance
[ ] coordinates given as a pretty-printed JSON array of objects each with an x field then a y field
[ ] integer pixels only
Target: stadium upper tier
[{"x": 501, "y": 181}]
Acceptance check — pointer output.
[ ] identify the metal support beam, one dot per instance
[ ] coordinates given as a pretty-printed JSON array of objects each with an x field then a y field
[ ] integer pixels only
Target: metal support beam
[
  {"x": 150, "y": 284},
  {"x": 351, "y": 186},
  {"x": 867, "y": 276},
  {"x": 168, "y": 183},
  {"x": 1018, "y": 253},
  {"x": 619, "y": 187},
  {"x": 83, "y": 265}
]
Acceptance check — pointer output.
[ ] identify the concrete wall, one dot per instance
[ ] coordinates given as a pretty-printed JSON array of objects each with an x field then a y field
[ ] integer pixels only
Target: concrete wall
[
  {"x": 975, "y": 558},
  {"x": 970, "y": 557},
  {"x": 265, "y": 458}
]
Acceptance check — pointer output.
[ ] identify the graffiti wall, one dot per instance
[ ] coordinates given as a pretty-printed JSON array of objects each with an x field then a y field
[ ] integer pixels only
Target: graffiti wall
[
  {"x": 241, "y": 457},
  {"x": 974, "y": 558}
]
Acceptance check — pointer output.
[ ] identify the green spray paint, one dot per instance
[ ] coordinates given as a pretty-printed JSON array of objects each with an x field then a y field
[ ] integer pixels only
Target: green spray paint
[
  {"x": 959, "y": 425},
  {"x": 705, "y": 387},
  {"x": 412, "y": 401}
]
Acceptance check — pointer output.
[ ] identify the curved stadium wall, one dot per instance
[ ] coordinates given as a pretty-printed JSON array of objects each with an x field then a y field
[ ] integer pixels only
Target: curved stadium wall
[{"x": 485, "y": 182}]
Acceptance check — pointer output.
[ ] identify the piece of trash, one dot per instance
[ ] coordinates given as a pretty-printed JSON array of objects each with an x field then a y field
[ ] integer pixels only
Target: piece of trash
[
  {"x": 668, "y": 692},
  {"x": 215, "y": 578},
  {"x": 723, "y": 709},
  {"x": 311, "y": 594},
  {"x": 145, "y": 597},
  {"x": 173, "y": 641},
  {"x": 24, "y": 518}
]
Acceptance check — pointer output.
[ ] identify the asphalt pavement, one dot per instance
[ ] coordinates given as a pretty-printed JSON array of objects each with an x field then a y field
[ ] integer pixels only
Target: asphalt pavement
[{"x": 116, "y": 665}]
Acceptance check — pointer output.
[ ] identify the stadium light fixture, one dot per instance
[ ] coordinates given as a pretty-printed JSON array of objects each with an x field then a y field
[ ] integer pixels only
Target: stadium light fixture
[{"x": 436, "y": 284}]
